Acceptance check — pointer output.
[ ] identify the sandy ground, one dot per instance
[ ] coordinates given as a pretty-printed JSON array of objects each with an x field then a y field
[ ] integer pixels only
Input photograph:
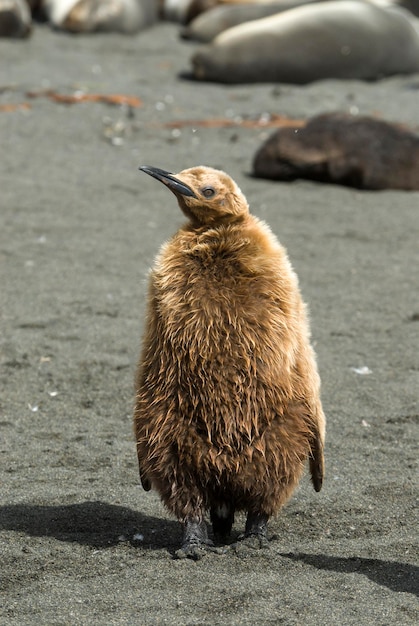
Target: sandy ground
[{"x": 81, "y": 543}]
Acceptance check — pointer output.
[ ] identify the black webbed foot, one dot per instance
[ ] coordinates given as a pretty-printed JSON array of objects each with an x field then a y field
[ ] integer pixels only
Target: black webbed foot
[
  {"x": 195, "y": 541},
  {"x": 255, "y": 534},
  {"x": 256, "y": 525}
]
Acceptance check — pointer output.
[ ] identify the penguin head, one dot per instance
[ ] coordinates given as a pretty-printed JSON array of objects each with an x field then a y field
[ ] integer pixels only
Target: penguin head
[{"x": 206, "y": 196}]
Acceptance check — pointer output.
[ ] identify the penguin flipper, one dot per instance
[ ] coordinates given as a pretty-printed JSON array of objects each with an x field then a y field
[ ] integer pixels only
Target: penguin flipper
[
  {"x": 317, "y": 462},
  {"x": 145, "y": 481}
]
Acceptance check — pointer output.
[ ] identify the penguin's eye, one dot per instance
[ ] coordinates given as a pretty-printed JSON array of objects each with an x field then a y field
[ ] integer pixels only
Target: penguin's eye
[{"x": 208, "y": 192}]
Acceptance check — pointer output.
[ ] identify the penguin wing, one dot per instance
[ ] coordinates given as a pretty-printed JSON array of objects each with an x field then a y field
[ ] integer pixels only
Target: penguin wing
[
  {"x": 317, "y": 460},
  {"x": 149, "y": 345},
  {"x": 145, "y": 481}
]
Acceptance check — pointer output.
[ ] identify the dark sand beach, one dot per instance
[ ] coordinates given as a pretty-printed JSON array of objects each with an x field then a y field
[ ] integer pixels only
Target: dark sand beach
[{"x": 81, "y": 542}]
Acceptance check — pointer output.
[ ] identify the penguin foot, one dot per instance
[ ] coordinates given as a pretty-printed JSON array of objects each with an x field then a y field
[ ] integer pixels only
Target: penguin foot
[
  {"x": 252, "y": 542},
  {"x": 195, "y": 542},
  {"x": 256, "y": 525},
  {"x": 191, "y": 551},
  {"x": 255, "y": 534}
]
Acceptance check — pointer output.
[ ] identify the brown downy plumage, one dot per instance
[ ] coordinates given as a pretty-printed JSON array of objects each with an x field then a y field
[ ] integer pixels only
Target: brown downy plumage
[{"x": 228, "y": 407}]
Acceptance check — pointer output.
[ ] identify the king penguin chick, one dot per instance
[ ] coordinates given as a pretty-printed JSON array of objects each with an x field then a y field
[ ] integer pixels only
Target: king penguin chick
[{"x": 228, "y": 396}]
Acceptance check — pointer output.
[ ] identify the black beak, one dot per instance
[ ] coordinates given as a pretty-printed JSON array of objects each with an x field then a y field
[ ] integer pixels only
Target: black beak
[{"x": 169, "y": 180}]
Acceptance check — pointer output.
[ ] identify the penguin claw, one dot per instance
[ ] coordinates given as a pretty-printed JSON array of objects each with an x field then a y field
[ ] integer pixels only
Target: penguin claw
[
  {"x": 248, "y": 542},
  {"x": 195, "y": 542},
  {"x": 197, "y": 550},
  {"x": 194, "y": 551}
]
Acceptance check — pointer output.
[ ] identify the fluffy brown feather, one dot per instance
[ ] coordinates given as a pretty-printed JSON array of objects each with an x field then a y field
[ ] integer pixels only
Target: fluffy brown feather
[{"x": 228, "y": 407}]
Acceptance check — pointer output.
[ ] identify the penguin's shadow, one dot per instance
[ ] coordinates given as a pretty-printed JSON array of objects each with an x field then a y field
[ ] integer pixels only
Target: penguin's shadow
[
  {"x": 95, "y": 524},
  {"x": 101, "y": 525},
  {"x": 396, "y": 576}
]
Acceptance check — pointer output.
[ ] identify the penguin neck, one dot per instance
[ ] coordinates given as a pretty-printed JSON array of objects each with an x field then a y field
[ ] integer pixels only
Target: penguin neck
[{"x": 220, "y": 225}]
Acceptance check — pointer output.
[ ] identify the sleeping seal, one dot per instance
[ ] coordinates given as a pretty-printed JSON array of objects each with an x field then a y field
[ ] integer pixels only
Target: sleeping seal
[
  {"x": 340, "y": 148},
  {"x": 15, "y": 19},
  {"x": 347, "y": 39},
  {"x": 183, "y": 11},
  {"x": 206, "y": 26},
  {"x": 87, "y": 16}
]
